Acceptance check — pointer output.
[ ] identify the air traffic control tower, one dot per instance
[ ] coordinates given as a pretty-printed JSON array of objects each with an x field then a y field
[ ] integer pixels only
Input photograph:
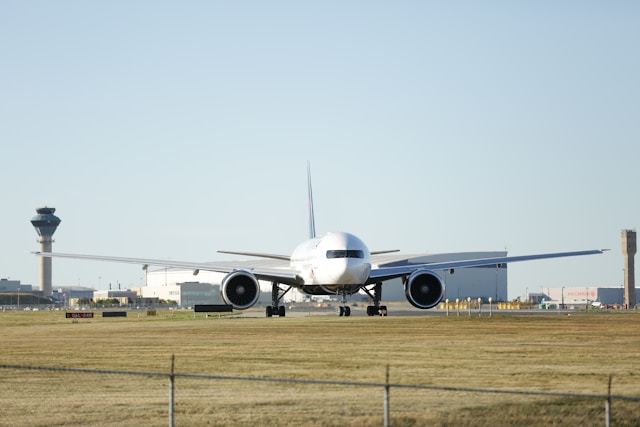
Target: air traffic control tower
[
  {"x": 629, "y": 251},
  {"x": 45, "y": 224}
]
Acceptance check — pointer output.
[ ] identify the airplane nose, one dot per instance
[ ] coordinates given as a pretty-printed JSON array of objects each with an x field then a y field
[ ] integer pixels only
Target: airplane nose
[
  {"x": 350, "y": 271},
  {"x": 338, "y": 269}
]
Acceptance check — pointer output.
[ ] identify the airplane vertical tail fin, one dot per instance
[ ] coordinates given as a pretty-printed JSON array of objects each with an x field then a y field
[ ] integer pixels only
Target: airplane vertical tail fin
[{"x": 312, "y": 220}]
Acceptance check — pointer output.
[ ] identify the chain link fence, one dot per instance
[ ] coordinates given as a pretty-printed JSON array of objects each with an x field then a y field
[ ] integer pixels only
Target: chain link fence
[{"x": 46, "y": 396}]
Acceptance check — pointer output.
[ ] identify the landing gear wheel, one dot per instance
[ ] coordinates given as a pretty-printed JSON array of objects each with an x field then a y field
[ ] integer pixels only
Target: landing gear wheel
[
  {"x": 376, "y": 295},
  {"x": 275, "y": 311},
  {"x": 344, "y": 311},
  {"x": 372, "y": 310}
]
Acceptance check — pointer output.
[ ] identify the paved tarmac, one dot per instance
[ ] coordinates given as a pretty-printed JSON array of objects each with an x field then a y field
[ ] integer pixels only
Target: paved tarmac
[{"x": 406, "y": 310}]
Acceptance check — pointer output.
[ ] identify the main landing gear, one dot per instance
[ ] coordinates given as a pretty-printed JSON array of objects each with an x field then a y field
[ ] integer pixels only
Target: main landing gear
[
  {"x": 376, "y": 309},
  {"x": 275, "y": 309}
]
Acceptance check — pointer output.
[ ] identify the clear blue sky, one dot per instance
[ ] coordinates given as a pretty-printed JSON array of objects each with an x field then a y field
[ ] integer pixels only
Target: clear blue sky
[{"x": 173, "y": 129}]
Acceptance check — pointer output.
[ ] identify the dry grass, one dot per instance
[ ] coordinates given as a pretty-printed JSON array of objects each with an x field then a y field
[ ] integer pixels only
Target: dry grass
[{"x": 559, "y": 353}]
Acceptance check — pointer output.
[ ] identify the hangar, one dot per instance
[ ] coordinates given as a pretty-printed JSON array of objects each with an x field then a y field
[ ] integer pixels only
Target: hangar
[{"x": 476, "y": 282}]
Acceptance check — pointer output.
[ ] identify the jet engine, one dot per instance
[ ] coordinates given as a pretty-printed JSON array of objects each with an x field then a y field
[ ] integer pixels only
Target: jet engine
[
  {"x": 424, "y": 289},
  {"x": 240, "y": 289}
]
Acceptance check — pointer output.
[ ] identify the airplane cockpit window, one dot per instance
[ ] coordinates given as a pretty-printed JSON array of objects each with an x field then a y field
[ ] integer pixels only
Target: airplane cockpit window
[{"x": 345, "y": 253}]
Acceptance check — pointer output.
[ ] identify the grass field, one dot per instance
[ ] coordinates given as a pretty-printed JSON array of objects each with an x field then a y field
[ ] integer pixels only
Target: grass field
[{"x": 561, "y": 353}]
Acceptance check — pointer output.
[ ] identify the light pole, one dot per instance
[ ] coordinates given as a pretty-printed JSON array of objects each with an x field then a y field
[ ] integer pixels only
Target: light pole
[
  {"x": 586, "y": 299},
  {"x": 562, "y": 303},
  {"x": 497, "y": 268}
]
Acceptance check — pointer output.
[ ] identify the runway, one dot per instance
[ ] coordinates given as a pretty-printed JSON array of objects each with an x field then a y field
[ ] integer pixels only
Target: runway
[{"x": 406, "y": 310}]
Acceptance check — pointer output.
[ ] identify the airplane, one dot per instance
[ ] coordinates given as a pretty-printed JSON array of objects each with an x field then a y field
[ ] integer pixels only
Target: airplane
[{"x": 337, "y": 263}]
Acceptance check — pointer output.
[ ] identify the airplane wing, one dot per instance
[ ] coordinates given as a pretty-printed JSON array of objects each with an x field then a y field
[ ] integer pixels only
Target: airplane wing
[
  {"x": 381, "y": 274},
  {"x": 281, "y": 275},
  {"x": 258, "y": 255},
  {"x": 291, "y": 277}
]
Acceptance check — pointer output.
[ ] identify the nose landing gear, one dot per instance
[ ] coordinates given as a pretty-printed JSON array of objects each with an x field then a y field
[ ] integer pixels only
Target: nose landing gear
[{"x": 344, "y": 309}]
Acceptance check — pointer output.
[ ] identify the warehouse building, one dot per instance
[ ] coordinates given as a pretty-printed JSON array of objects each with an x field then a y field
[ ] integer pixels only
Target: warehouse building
[
  {"x": 584, "y": 297},
  {"x": 185, "y": 294}
]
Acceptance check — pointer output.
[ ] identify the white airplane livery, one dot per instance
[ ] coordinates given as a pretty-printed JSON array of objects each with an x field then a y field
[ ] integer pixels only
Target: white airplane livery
[{"x": 337, "y": 263}]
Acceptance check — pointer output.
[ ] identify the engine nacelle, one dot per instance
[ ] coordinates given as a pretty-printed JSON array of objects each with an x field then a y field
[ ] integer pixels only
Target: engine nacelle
[
  {"x": 424, "y": 289},
  {"x": 240, "y": 289}
]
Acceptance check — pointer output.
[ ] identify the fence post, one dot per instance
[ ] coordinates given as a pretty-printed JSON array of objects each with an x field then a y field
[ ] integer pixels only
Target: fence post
[
  {"x": 172, "y": 379},
  {"x": 386, "y": 400},
  {"x": 607, "y": 406}
]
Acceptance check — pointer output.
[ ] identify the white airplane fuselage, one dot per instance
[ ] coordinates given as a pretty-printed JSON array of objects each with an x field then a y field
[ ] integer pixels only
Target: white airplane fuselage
[{"x": 332, "y": 260}]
